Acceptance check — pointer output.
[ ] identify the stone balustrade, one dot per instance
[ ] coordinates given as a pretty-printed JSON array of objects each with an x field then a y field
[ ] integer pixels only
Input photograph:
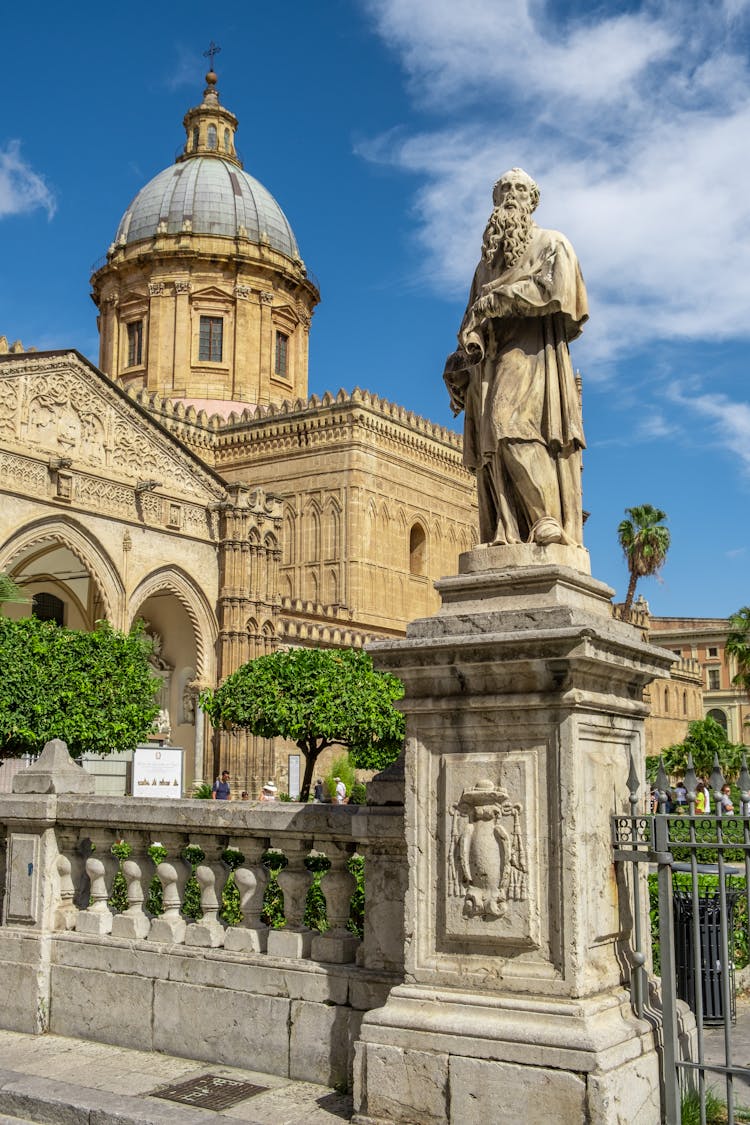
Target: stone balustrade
[
  {"x": 218, "y": 930},
  {"x": 87, "y": 827}
]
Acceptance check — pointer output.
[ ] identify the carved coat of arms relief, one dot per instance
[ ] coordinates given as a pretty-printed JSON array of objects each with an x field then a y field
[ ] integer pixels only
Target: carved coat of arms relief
[{"x": 487, "y": 858}]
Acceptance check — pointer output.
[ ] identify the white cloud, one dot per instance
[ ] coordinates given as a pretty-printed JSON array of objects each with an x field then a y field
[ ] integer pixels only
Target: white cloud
[
  {"x": 729, "y": 421},
  {"x": 188, "y": 69},
  {"x": 21, "y": 188},
  {"x": 635, "y": 126}
]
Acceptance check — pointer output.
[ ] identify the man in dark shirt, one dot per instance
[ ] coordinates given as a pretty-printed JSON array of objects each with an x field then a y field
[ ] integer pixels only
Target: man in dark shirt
[{"x": 221, "y": 790}]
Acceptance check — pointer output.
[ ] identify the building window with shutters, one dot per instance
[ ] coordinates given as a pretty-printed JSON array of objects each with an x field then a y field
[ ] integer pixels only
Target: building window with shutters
[
  {"x": 714, "y": 679},
  {"x": 135, "y": 343},
  {"x": 211, "y": 340},
  {"x": 281, "y": 364}
]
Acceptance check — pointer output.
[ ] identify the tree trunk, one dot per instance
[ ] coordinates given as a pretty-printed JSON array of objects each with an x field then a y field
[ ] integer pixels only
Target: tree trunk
[
  {"x": 630, "y": 594},
  {"x": 312, "y": 752}
]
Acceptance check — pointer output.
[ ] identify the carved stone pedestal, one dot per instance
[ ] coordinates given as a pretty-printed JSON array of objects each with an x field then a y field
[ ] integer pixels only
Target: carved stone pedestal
[{"x": 524, "y": 701}]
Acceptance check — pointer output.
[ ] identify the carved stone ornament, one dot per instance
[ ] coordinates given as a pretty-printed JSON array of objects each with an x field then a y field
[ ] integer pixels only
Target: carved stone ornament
[
  {"x": 155, "y": 288},
  {"x": 183, "y": 287},
  {"x": 242, "y": 292},
  {"x": 487, "y": 861},
  {"x": 266, "y": 296}
]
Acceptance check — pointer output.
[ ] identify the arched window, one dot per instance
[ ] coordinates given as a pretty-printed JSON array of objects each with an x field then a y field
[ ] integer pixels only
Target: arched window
[
  {"x": 226, "y": 141},
  {"x": 211, "y": 136},
  {"x": 666, "y": 701},
  {"x": 196, "y": 135},
  {"x": 720, "y": 717},
  {"x": 684, "y": 703},
  {"x": 47, "y": 607},
  {"x": 417, "y": 549}
]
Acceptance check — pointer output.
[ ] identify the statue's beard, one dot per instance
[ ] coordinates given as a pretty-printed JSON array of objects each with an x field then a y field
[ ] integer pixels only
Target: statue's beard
[{"x": 506, "y": 236}]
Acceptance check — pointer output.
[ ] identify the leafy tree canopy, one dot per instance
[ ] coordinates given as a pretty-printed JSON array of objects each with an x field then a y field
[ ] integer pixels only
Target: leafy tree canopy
[
  {"x": 645, "y": 542},
  {"x": 316, "y": 698},
  {"x": 738, "y": 646},
  {"x": 94, "y": 690},
  {"x": 705, "y": 737}
]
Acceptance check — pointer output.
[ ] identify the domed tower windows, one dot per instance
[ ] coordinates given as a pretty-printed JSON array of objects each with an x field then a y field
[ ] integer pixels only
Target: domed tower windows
[
  {"x": 211, "y": 137},
  {"x": 196, "y": 137},
  {"x": 227, "y": 141},
  {"x": 211, "y": 339},
  {"x": 281, "y": 358},
  {"x": 135, "y": 343}
]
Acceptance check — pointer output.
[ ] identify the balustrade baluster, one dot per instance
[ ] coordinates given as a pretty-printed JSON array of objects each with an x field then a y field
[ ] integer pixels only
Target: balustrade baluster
[
  {"x": 133, "y": 922},
  {"x": 208, "y": 932},
  {"x": 295, "y": 939},
  {"x": 97, "y": 917},
  {"x": 66, "y": 912},
  {"x": 252, "y": 935},
  {"x": 170, "y": 927},
  {"x": 337, "y": 944}
]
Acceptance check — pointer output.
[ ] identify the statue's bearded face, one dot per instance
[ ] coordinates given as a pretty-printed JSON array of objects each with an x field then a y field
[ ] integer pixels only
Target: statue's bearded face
[{"x": 508, "y": 231}]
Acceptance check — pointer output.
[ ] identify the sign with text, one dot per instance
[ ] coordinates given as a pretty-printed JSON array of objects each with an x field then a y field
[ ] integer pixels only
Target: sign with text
[
  {"x": 157, "y": 771},
  {"x": 294, "y": 776}
]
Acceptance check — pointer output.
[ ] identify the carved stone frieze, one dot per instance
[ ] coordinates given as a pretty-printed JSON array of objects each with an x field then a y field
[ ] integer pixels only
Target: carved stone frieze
[
  {"x": 183, "y": 287},
  {"x": 242, "y": 292},
  {"x": 156, "y": 288},
  {"x": 55, "y": 406},
  {"x": 266, "y": 297}
]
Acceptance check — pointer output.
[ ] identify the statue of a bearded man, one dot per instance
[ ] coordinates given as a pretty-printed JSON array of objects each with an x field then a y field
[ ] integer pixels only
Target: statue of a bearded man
[{"x": 512, "y": 375}]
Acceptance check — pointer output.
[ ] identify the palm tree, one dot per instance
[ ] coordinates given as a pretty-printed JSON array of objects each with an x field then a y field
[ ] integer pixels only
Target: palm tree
[
  {"x": 645, "y": 542},
  {"x": 738, "y": 646}
]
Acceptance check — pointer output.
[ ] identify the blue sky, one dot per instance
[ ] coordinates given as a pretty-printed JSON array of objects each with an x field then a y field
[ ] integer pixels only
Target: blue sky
[{"x": 380, "y": 126}]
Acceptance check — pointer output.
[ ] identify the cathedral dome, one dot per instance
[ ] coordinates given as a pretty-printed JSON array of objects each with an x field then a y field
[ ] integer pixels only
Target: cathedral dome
[{"x": 207, "y": 194}]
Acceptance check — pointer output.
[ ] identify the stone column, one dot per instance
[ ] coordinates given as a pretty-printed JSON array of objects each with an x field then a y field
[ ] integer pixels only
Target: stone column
[
  {"x": 183, "y": 337},
  {"x": 36, "y": 884},
  {"x": 524, "y": 698}
]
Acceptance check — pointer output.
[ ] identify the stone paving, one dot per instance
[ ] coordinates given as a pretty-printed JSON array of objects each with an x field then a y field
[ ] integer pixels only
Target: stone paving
[
  {"x": 76, "y": 1082},
  {"x": 714, "y": 1050}
]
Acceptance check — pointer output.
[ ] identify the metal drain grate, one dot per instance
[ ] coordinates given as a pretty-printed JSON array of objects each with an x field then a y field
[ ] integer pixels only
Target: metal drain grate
[{"x": 210, "y": 1091}]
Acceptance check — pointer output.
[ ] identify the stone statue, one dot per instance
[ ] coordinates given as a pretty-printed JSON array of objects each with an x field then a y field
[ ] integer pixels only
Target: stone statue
[{"x": 512, "y": 375}]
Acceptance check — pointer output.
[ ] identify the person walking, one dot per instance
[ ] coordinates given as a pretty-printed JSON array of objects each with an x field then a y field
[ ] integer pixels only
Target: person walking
[
  {"x": 340, "y": 791},
  {"x": 221, "y": 788}
]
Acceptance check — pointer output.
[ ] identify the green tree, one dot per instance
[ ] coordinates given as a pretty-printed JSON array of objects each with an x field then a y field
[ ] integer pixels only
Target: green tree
[
  {"x": 738, "y": 646},
  {"x": 94, "y": 690},
  {"x": 705, "y": 737},
  {"x": 316, "y": 698},
  {"x": 645, "y": 542},
  {"x": 10, "y": 591}
]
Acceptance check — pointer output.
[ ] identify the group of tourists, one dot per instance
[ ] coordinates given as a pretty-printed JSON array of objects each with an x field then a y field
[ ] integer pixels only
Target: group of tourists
[
  {"x": 222, "y": 790},
  {"x": 677, "y": 799}
]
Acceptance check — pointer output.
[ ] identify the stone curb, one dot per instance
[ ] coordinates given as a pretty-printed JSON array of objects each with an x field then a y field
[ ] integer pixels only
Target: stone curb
[{"x": 46, "y": 1101}]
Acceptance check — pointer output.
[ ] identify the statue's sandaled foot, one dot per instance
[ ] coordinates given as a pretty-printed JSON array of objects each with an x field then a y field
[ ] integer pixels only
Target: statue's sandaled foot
[{"x": 545, "y": 531}]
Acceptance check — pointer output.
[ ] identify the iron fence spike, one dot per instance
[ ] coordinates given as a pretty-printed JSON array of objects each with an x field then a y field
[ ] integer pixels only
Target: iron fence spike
[
  {"x": 633, "y": 781},
  {"x": 716, "y": 779}
]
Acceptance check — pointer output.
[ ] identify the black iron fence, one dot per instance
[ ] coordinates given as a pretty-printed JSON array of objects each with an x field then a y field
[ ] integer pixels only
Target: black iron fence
[{"x": 690, "y": 874}]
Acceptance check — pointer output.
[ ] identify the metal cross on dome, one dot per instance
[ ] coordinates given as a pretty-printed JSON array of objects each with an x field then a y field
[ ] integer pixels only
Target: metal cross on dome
[{"x": 212, "y": 50}]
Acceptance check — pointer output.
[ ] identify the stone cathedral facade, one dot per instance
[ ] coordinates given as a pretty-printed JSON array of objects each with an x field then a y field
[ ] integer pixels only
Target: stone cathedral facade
[{"x": 190, "y": 480}]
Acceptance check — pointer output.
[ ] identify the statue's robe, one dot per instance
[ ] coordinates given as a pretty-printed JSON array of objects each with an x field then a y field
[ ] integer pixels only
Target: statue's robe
[{"x": 513, "y": 377}]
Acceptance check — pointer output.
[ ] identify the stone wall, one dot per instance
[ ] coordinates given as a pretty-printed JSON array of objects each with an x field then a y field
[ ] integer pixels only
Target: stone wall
[{"x": 286, "y": 1001}]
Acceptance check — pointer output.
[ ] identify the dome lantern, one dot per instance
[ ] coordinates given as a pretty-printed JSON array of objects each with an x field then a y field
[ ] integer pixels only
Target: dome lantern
[{"x": 210, "y": 128}]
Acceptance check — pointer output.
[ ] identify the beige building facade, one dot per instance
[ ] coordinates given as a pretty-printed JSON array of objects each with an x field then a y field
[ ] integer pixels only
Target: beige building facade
[
  {"x": 702, "y": 640},
  {"x": 193, "y": 483}
]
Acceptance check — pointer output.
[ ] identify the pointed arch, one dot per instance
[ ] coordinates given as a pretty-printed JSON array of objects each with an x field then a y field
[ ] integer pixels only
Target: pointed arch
[
  {"x": 289, "y": 536},
  {"x": 195, "y": 604},
  {"x": 86, "y": 548},
  {"x": 311, "y": 531},
  {"x": 332, "y": 530},
  {"x": 417, "y": 548}
]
